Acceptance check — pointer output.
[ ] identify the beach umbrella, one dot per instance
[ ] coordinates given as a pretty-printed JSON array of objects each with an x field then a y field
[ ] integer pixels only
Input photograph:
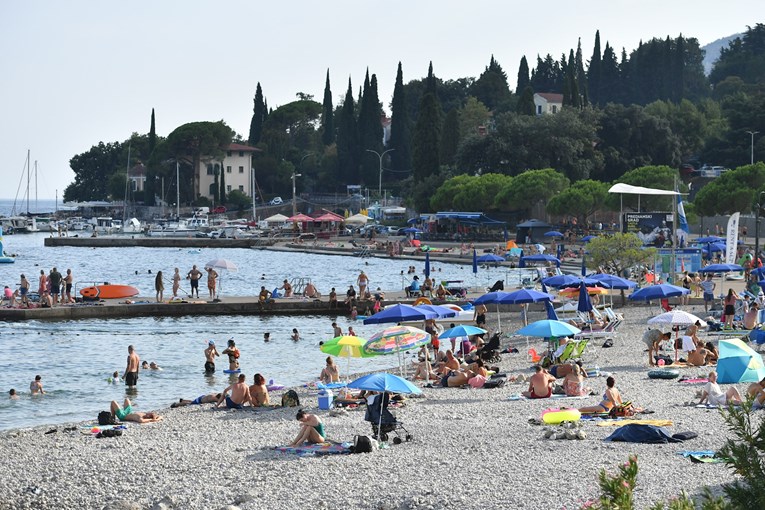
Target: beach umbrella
[
  {"x": 549, "y": 328},
  {"x": 383, "y": 382},
  {"x": 346, "y": 347},
  {"x": 550, "y": 309},
  {"x": 553, "y": 233},
  {"x": 395, "y": 339},
  {"x": 571, "y": 292},
  {"x": 460, "y": 331},
  {"x": 523, "y": 297},
  {"x": 611, "y": 281},
  {"x": 490, "y": 297},
  {"x": 675, "y": 318},
  {"x": 400, "y": 313},
  {"x": 759, "y": 272},
  {"x": 412, "y": 230},
  {"x": 222, "y": 264},
  {"x": 475, "y": 263},
  {"x": 561, "y": 280},
  {"x": 427, "y": 264},
  {"x": 490, "y": 257},
  {"x": 587, "y": 239},
  {"x": 661, "y": 291},
  {"x": 442, "y": 311},
  {"x": 710, "y": 239},
  {"x": 584, "y": 304},
  {"x": 721, "y": 268},
  {"x": 738, "y": 363}
]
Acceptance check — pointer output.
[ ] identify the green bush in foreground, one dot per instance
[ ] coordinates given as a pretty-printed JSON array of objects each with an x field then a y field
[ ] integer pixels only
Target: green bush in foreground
[{"x": 745, "y": 454}]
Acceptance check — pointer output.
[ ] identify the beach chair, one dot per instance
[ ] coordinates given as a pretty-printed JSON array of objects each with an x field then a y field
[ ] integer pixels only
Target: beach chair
[
  {"x": 581, "y": 345},
  {"x": 383, "y": 421},
  {"x": 567, "y": 353}
]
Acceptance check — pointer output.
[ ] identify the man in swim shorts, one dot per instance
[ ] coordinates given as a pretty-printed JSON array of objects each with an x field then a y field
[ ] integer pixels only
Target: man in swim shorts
[
  {"x": 540, "y": 384},
  {"x": 240, "y": 394},
  {"x": 55, "y": 284},
  {"x": 201, "y": 399},
  {"x": 131, "y": 370},
  {"x": 194, "y": 276},
  {"x": 210, "y": 354}
]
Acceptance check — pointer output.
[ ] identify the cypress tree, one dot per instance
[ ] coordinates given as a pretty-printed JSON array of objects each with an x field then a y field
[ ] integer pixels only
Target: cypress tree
[
  {"x": 370, "y": 131},
  {"x": 581, "y": 76},
  {"x": 149, "y": 188},
  {"x": 347, "y": 141},
  {"x": 526, "y": 102},
  {"x": 258, "y": 117},
  {"x": 327, "y": 116},
  {"x": 609, "y": 76},
  {"x": 594, "y": 72},
  {"x": 523, "y": 76},
  {"x": 426, "y": 140},
  {"x": 222, "y": 185},
  {"x": 152, "y": 134},
  {"x": 450, "y": 140},
  {"x": 678, "y": 70},
  {"x": 400, "y": 127}
]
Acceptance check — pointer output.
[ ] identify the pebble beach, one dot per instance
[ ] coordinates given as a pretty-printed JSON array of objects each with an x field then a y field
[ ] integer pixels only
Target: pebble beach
[{"x": 472, "y": 448}]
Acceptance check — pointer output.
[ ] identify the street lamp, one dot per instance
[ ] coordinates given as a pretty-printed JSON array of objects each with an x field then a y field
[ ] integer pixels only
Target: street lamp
[
  {"x": 294, "y": 175},
  {"x": 379, "y": 184},
  {"x": 752, "y": 133}
]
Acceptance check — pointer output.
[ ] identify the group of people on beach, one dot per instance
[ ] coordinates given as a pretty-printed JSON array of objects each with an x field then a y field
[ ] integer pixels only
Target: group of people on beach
[
  {"x": 53, "y": 289},
  {"x": 193, "y": 276}
]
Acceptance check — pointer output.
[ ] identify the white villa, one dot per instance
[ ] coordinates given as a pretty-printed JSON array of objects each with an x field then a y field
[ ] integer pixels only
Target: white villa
[
  {"x": 237, "y": 171},
  {"x": 548, "y": 103}
]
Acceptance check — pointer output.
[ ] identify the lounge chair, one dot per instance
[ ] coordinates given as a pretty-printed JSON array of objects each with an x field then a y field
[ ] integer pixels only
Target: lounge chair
[{"x": 567, "y": 353}]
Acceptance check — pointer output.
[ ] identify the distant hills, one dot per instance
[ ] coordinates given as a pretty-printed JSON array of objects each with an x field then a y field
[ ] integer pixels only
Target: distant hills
[{"x": 713, "y": 51}]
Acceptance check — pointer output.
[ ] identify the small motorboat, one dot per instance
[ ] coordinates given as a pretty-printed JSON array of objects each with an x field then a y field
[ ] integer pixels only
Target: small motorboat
[{"x": 108, "y": 291}]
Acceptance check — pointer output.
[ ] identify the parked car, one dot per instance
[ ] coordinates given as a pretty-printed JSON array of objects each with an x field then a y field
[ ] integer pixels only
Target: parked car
[
  {"x": 219, "y": 210},
  {"x": 276, "y": 201}
]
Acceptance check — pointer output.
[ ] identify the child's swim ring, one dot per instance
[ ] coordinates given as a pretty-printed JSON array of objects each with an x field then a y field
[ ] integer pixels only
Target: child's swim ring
[
  {"x": 556, "y": 416},
  {"x": 664, "y": 374}
]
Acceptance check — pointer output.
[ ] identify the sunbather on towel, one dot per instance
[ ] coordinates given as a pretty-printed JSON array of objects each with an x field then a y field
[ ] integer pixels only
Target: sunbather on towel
[
  {"x": 126, "y": 413},
  {"x": 715, "y": 396},
  {"x": 540, "y": 384},
  {"x": 311, "y": 429},
  {"x": 611, "y": 398},
  {"x": 456, "y": 378}
]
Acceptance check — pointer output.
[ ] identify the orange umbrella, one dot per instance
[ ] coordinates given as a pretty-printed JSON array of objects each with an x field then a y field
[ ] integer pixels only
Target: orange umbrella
[{"x": 574, "y": 291}]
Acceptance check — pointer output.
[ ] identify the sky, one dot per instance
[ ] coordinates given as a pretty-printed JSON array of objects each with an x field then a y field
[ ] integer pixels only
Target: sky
[{"x": 76, "y": 73}]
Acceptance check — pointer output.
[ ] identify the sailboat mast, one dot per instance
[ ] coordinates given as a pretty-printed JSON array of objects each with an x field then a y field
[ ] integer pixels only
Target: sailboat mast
[
  {"x": 177, "y": 190},
  {"x": 29, "y": 171},
  {"x": 127, "y": 180},
  {"x": 37, "y": 207}
]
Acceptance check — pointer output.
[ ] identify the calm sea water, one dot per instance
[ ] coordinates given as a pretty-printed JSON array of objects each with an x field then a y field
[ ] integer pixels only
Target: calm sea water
[
  {"x": 10, "y": 206},
  {"x": 75, "y": 358}
]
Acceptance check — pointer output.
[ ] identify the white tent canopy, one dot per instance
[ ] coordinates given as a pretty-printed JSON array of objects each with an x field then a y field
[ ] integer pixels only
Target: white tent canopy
[
  {"x": 639, "y": 190},
  {"x": 357, "y": 219},
  {"x": 276, "y": 218}
]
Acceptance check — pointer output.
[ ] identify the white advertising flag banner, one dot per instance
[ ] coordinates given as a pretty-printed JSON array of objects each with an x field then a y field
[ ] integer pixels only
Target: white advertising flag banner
[{"x": 732, "y": 239}]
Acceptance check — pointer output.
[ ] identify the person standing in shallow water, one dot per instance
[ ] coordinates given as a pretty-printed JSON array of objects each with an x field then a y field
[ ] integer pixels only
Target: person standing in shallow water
[
  {"x": 131, "y": 370},
  {"x": 210, "y": 353}
]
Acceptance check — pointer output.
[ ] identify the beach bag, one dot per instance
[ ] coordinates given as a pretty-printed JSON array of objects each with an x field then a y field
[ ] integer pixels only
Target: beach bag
[
  {"x": 106, "y": 418},
  {"x": 290, "y": 399},
  {"x": 362, "y": 444},
  {"x": 495, "y": 382},
  {"x": 623, "y": 410}
]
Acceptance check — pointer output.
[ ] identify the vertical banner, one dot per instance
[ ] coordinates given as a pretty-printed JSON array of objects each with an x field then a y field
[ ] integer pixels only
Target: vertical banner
[
  {"x": 682, "y": 230},
  {"x": 732, "y": 239}
]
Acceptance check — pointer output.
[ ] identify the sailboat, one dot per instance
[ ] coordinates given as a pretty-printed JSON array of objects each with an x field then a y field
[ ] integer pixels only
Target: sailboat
[
  {"x": 3, "y": 258},
  {"x": 18, "y": 223}
]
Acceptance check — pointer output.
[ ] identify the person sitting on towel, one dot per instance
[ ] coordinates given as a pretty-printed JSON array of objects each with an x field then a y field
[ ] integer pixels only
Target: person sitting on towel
[
  {"x": 715, "y": 396},
  {"x": 540, "y": 384},
  {"x": 311, "y": 429},
  {"x": 573, "y": 383},
  {"x": 698, "y": 357}
]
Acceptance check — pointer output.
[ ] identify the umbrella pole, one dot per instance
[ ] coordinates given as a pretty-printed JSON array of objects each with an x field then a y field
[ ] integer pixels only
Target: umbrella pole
[{"x": 499, "y": 323}]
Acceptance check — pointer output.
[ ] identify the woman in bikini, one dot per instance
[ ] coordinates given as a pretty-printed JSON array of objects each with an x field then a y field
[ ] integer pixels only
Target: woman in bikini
[
  {"x": 730, "y": 308},
  {"x": 176, "y": 282},
  {"x": 259, "y": 392},
  {"x": 330, "y": 373},
  {"x": 611, "y": 398}
]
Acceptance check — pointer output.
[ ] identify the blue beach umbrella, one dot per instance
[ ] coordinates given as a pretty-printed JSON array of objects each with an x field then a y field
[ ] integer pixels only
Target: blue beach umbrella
[
  {"x": 490, "y": 257},
  {"x": 400, "y": 313},
  {"x": 384, "y": 381},
  {"x": 721, "y": 268},
  {"x": 611, "y": 281},
  {"x": 664, "y": 290},
  {"x": 560, "y": 280},
  {"x": 587, "y": 239},
  {"x": 491, "y": 297},
  {"x": 523, "y": 296},
  {"x": 710, "y": 239},
  {"x": 553, "y": 233},
  {"x": 427, "y": 263},
  {"x": 412, "y": 230},
  {"x": 475, "y": 263},
  {"x": 584, "y": 305},
  {"x": 738, "y": 363},
  {"x": 550, "y": 309},
  {"x": 548, "y": 328},
  {"x": 460, "y": 331},
  {"x": 442, "y": 311},
  {"x": 759, "y": 272}
]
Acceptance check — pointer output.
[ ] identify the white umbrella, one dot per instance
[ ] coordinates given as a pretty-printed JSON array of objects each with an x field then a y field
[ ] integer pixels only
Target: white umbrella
[
  {"x": 222, "y": 264},
  {"x": 676, "y": 318}
]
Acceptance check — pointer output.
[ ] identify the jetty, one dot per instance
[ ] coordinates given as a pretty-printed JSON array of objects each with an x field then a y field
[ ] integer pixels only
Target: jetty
[{"x": 158, "y": 242}]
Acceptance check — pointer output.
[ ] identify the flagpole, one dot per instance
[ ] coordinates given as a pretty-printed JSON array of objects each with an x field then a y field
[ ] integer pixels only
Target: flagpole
[{"x": 674, "y": 233}]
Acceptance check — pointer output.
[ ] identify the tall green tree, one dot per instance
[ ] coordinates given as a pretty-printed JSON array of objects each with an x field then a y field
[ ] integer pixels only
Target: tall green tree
[
  {"x": 594, "y": 72},
  {"x": 581, "y": 200},
  {"x": 581, "y": 75},
  {"x": 450, "y": 138},
  {"x": 734, "y": 191},
  {"x": 258, "y": 117},
  {"x": 472, "y": 116},
  {"x": 523, "y": 76},
  {"x": 92, "y": 171},
  {"x": 744, "y": 58},
  {"x": 347, "y": 141},
  {"x": 222, "y": 185},
  {"x": 525, "y": 104},
  {"x": 491, "y": 87},
  {"x": 370, "y": 131},
  {"x": 426, "y": 139},
  {"x": 400, "y": 128},
  {"x": 327, "y": 116},
  {"x": 619, "y": 252},
  {"x": 529, "y": 188},
  {"x": 150, "y": 188}
]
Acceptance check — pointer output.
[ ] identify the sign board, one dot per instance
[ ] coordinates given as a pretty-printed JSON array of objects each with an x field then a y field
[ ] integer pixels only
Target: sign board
[
  {"x": 686, "y": 259},
  {"x": 653, "y": 228}
]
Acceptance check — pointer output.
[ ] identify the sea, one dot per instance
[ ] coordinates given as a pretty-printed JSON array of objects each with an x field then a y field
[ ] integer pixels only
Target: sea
[{"x": 76, "y": 358}]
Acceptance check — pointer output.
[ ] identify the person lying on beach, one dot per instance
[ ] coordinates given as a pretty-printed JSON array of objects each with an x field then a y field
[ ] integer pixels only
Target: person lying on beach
[
  {"x": 653, "y": 339},
  {"x": 715, "y": 396},
  {"x": 456, "y": 378},
  {"x": 259, "y": 392},
  {"x": 540, "y": 384},
  {"x": 421, "y": 372},
  {"x": 311, "y": 429},
  {"x": 125, "y": 413},
  {"x": 611, "y": 398},
  {"x": 240, "y": 394},
  {"x": 202, "y": 399},
  {"x": 330, "y": 373}
]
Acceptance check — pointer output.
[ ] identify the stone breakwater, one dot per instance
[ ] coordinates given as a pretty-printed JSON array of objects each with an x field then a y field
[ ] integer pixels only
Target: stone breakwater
[{"x": 472, "y": 449}]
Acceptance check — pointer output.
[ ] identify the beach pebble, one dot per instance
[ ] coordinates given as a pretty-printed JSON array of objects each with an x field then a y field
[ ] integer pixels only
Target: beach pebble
[{"x": 122, "y": 504}]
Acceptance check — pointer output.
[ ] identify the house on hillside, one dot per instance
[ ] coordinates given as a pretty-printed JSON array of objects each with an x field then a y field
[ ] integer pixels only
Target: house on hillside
[
  {"x": 137, "y": 177},
  {"x": 236, "y": 167},
  {"x": 547, "y": 103}
]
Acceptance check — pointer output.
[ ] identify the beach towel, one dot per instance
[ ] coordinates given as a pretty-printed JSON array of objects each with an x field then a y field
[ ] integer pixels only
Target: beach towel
[
  {"x": 639, "y": 433},
  {"x": 316, "y": 449},
  {"x": 621, "y": 423}
]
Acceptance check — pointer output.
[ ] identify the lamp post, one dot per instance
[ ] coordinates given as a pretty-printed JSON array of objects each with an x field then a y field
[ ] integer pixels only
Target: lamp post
[
  {"x": 752, "y": 133},
  {"x": 379, "y": 184},
  {"x": 757, "y": 228},
  {"x": 294, "y": 176}
]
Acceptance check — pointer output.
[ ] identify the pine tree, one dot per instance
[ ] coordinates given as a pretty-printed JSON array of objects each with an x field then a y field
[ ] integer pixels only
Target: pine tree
[
  {"x": 491, "y": 87},
  {"x": 400, "y": 128},
  {"x": 426, "y": 140},
  {"x": 327, "y": 116},
  {"x": 594, "y": 72},
  {"x": 347, "y": 141},
  {"x": 258, "y": 117},
  {"x": 523, "y": 76},
  {"x": 526, "y": 102},
  {"x": 450, "y": 139},
  {"x": 370, "y": 131},
  {"x": 581, "y": 76}
]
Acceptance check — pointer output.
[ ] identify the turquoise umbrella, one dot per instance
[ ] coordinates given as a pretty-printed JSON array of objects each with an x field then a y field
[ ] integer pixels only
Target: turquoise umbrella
[{"x": 738, "y": 363}]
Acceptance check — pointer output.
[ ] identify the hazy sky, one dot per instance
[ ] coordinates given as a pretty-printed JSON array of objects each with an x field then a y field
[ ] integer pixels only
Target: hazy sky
[{"x": 78, "y": 72}]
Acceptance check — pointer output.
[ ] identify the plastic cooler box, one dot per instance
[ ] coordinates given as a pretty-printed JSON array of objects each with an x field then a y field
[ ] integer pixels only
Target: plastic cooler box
[{"x": 326, "y": 399}]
